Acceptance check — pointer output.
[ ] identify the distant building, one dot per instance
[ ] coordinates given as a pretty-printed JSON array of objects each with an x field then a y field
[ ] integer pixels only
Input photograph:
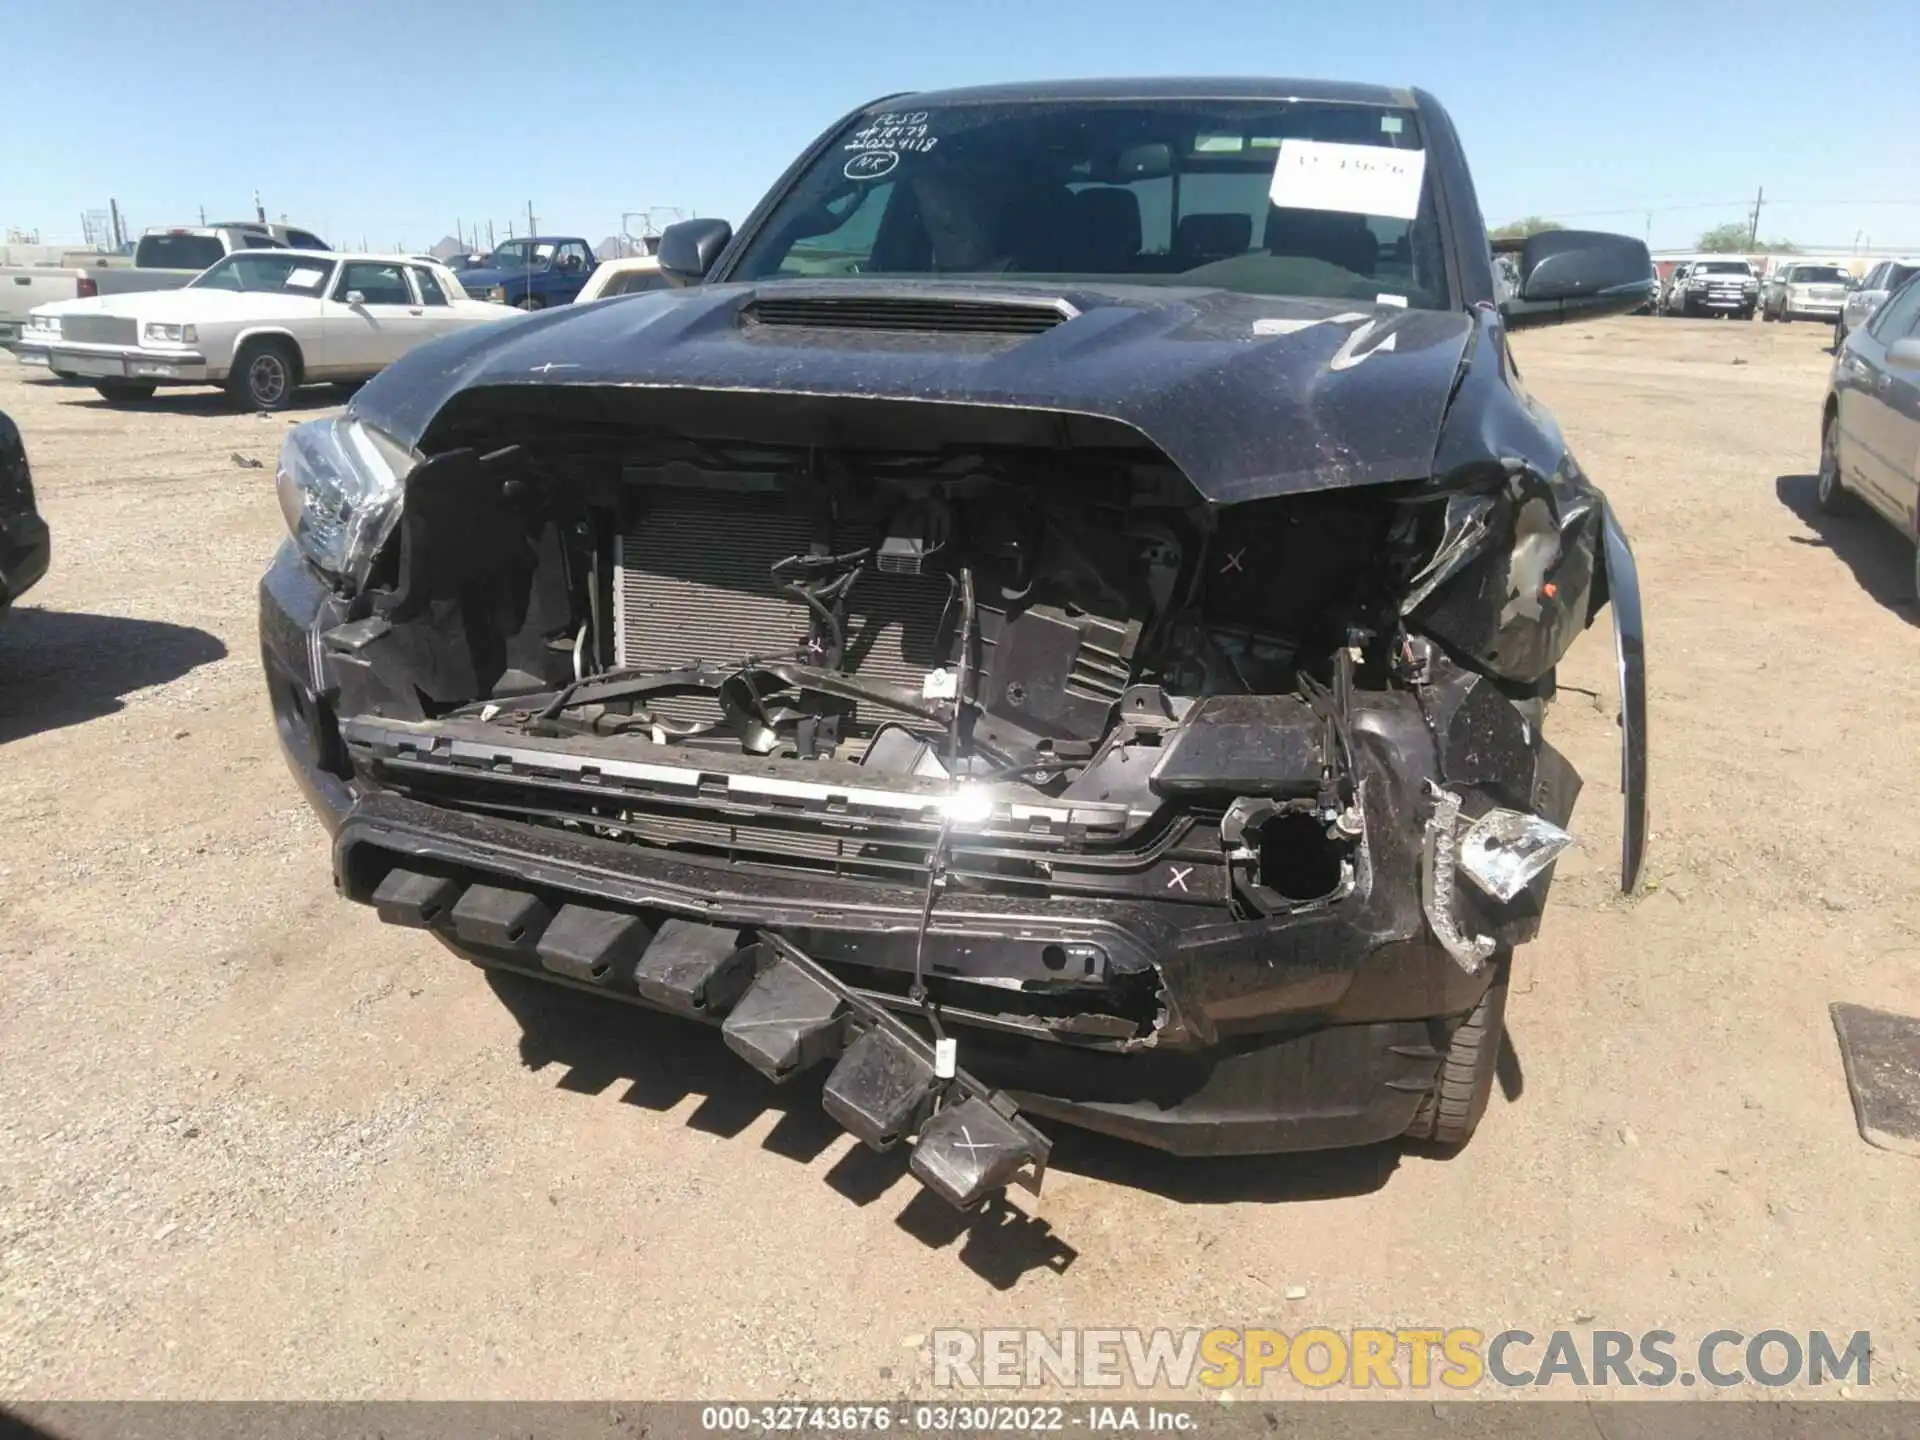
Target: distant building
[{"x": 447, "y": 247}]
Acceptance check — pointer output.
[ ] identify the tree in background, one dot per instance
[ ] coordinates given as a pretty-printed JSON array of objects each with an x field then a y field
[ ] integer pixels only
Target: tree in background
[
  {"x": 1731, "y": 239},
  {"x": 1521, "y": 229}
]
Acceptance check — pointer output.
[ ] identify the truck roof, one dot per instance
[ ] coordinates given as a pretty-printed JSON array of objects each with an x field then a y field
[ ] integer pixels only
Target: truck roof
[{"x": 1211, "y": 87}]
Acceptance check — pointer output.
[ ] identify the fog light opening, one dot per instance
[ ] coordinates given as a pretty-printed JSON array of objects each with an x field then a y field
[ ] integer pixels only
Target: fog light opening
[{"x": 1297, "y": 859}]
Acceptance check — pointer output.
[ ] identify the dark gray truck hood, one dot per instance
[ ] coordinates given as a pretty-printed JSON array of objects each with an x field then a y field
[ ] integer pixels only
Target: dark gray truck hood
[{"x": 1249, "y": 395}]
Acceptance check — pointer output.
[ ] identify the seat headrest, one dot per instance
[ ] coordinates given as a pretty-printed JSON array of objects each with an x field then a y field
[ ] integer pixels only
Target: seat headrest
[
  {"x": 1108, "y": 224},
  {"x": 1329, "y": 235},
  {"x": 1202, "y": 237}
]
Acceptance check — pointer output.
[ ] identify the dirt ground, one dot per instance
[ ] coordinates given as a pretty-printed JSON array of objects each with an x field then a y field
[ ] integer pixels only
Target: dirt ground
[{"x": 254, "y": 1144}]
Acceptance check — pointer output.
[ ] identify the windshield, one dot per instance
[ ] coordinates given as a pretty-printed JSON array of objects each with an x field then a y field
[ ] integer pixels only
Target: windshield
[
  {"x": 1820, "y": 275},
  {"x": 1722, "y": 267},
  {"x": 523, "y": 255},
  {"x": 258, "y": 271},
  {"x": 1265, "y": 197},
  {"x": 177, "y": 252}
]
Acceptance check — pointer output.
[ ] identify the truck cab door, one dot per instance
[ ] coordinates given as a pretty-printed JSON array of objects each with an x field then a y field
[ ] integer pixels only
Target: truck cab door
[{"x": 572, "y": 264}]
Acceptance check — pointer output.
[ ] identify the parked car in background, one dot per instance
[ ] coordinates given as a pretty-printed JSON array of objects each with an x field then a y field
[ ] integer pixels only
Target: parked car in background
[
  {"x": 1805, "y": 290},
  {"x": 631, "y": 276},
  {"x": 1714, "y": 287},
  {"x": 261, "y": 324},
  {"x": 291, "y": 236},
  {"x": 1870, "y": 294},
  {"x": 25, "y": 545},
  {"x": 1669, "y": 289},
  {"x": 1870, "y": 432},
  {"x": 531, "y": 274},
  {"x": 1090, "y": 650},
  {"x": 164, "y": 258}
]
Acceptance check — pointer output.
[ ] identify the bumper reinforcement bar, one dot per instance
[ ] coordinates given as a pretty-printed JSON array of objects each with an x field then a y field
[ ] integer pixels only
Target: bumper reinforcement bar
[{"x": 778, "y": 1009}]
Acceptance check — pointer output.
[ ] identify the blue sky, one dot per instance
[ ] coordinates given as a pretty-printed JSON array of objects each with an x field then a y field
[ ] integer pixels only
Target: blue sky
[{"x": 390, "y": 118}]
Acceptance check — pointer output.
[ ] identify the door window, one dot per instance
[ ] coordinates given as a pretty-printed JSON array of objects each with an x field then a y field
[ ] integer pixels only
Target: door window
[
  {"x": 573, "y": 259},
  {"x": 430, "y": 291},
  {"x": 378, "y": 283},
  {"x": 1899, "y": 317},
  {"x": 635, "y": 283}
]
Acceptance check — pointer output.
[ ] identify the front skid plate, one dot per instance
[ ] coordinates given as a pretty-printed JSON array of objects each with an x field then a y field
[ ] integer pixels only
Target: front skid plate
[{"x": 778, "y": 1008}]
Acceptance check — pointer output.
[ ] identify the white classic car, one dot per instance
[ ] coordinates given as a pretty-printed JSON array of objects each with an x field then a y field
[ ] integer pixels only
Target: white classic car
[
  {"x": 261, "y": 323},
  {"x": 630, "y": 276}
]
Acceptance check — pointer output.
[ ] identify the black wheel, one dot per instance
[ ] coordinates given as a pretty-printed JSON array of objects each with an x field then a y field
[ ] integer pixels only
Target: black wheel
[
  {"x": 121, "y": 391},
  {"x": 1747, "y": 314},
  {"x": 1450, "y": 1112},
  {"x": 528, "y": 302},
  {"x": 1831, "y": 493},
  {"x": 264, "y": 375},
  {"x": 347, "y": 389}
]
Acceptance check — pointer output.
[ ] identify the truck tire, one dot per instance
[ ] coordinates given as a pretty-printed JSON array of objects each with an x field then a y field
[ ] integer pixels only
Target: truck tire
[
  {"x": 120, "y": 392},
  {"x": 1450, "y": 1112},
  {"x": 265, "y": 374},
  {"x": 529, "y": 302}
]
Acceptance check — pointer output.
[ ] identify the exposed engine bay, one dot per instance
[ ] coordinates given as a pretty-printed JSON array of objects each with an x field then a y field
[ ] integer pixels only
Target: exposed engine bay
[{"x": 973, "y": 614}]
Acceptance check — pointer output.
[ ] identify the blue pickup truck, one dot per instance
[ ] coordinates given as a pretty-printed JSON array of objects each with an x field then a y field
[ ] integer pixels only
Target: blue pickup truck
[{"x": 532, "y": 273}]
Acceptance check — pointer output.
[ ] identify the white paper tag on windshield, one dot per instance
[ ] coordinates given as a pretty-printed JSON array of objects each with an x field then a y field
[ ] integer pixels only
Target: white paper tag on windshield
[
  {"x": 1353, "y": 179},
  {"x": 305, "y": 279}
]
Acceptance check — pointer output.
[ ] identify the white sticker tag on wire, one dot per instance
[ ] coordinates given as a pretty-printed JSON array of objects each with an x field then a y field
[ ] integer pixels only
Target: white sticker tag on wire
[
  {"x": 1352, "y": 179},
  {"x": 946, "y": 1058}
]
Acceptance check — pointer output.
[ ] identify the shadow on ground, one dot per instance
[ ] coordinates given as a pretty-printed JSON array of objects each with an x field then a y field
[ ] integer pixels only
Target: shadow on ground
[
  {"x": 596, "y": 1045},
  {"x": 61, "y": 668},
  {"x": 306, "y": 401},
  {"x": 1879, "y": 556}
]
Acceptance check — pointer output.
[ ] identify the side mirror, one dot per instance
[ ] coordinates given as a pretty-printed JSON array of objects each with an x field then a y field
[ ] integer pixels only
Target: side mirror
[
  {"x": 1905, "y": 353},
  {"x": 1579, "y": 275},
  {"x": 356, "y": 297},
  {"x": 689, "y": 248}
]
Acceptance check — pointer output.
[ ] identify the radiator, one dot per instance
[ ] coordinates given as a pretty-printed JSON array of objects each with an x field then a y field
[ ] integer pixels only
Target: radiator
[{"x": 693, "y": 582}]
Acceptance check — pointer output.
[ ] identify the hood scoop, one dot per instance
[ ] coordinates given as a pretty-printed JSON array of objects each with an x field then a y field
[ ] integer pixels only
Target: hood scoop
[{"x": 926, "y": 314}]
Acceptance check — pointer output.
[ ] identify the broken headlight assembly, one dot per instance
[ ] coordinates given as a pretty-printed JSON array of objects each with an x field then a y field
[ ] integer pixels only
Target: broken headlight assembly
[{"x": 340, "y": 484}]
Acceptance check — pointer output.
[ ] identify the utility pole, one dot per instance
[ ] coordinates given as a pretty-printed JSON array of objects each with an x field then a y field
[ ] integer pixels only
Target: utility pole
[
  {"x": 119, "y": 231},
  {"x": 259, "y": 210},
  {"x": 1649, "y": 229},
  {"x": 1753, "y": 230},
  {"x": 489, "y": 235},
  {"x": 203, "y": 215},
  {"x": 532, "y": 229}
]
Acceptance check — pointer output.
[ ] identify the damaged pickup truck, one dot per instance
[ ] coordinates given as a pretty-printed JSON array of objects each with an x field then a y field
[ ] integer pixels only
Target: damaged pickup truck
[{"x": 1052, "y": 620}]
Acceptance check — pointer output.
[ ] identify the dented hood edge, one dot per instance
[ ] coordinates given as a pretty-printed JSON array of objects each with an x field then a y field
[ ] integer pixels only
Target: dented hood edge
[{"x": 1251, "y": 396}]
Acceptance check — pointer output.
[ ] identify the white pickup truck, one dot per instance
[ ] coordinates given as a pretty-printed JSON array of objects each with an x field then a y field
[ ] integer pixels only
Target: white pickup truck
[{"x": 164, "y": 258}]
